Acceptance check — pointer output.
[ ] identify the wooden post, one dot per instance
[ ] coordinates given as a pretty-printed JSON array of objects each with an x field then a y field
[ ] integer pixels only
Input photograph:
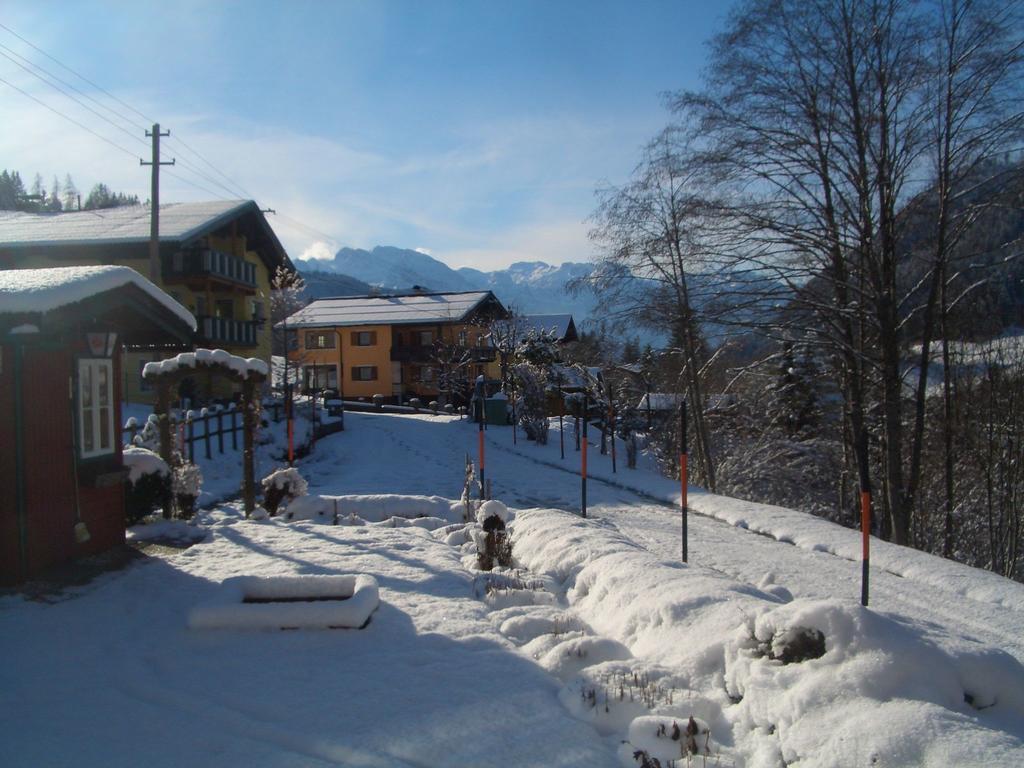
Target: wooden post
[
  {"x": 206, "y": 434},
  {"x": 234, "y": 429},
  {"x": 561, "y": 417},
  {"x": 190, "y": 440},
  {"x": 163, "y": 406},
  {"x": 220, "y": 431}
]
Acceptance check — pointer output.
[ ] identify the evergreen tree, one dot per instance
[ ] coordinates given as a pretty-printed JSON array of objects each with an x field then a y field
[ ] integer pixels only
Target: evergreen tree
[
  {"x": 53, "y": 204},
  {"x": 70, "y": 194}
]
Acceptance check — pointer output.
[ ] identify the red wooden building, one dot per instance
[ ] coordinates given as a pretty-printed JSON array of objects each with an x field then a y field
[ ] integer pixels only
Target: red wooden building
[{"x": 61, "y": 474}]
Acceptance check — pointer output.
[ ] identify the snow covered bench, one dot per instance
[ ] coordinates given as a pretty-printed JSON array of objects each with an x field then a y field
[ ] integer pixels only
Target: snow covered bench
[{"x": 290, "y": 602}]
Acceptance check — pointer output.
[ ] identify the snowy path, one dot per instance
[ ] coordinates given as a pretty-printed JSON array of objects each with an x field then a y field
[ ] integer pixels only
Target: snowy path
[{"x": 426, "y": 455}]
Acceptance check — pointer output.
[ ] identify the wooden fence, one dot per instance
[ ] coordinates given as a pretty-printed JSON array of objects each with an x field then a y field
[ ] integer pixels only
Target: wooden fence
[{"x": 209, "y": 430}]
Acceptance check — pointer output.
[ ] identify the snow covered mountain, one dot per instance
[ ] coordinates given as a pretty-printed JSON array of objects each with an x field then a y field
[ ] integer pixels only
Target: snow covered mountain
[{"x": 533, "y": 287}]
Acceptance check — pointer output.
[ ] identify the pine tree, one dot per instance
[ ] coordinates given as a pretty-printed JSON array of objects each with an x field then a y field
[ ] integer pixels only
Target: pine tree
[
  {"x": 53, "y": 204},
  {"x": 70, "y": 194}
]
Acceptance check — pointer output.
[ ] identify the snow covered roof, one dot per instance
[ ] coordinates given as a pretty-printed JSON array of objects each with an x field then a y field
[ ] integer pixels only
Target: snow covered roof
[
  {"x": 244, "y": 367},
  {"x": 389, "y": 310},
  {"x": 660, "y": 401},
  {"x": 125, "y": 224},
  {"x": 30, "y": 291},
  {"x": 560, "y": 324}
]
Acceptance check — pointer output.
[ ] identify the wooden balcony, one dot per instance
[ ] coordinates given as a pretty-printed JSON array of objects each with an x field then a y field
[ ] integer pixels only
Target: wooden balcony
[
  {"x": 223, "y": 330},
  {"x": 196, "y": 266},
  {"x": 406, "y": 353}
]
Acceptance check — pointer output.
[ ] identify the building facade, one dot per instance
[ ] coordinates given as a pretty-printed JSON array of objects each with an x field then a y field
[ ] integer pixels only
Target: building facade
[
  {"x": 216, "y": 258},
  {"x": 425, "y": 345}
]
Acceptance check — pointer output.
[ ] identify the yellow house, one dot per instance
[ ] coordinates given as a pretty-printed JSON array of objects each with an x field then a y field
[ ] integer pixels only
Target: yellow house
[
  {"x": 216, "y": 259},
  {"x": 426, "y": 345}
]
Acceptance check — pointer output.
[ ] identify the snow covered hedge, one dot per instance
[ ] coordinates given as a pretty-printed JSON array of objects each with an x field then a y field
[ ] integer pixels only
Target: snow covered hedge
[
  {"x": 148, "y": 484},
  {"x": 827, "y": 683}
]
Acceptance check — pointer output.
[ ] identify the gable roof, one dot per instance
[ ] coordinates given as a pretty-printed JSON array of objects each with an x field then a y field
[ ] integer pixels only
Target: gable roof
[
  {"x": 411, "y": 309},
  {"x": 129, "y": 225},
  {"x": 59, "y": 297}
]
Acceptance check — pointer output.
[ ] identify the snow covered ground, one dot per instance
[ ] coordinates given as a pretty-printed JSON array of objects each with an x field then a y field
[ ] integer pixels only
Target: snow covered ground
[{"x": 595, "y": 648}]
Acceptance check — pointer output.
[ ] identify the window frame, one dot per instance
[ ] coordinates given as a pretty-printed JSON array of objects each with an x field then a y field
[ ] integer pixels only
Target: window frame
[
  {"x": 320, "y": 335},
  {"x": 95, "y": 408},
  {"x": 357, "y": 338},
  {"x": 372, "y": 368}
]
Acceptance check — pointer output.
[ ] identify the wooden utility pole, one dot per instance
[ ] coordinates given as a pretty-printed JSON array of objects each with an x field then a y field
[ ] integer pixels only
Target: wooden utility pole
[{"x": 154, "y": 203}]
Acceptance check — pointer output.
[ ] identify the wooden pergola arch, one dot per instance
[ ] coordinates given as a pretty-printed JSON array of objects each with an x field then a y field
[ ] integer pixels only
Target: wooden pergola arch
[{"x": 249, "y": 372}]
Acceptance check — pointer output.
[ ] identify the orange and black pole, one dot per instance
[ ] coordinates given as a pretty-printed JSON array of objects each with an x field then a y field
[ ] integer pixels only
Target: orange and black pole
[
  {"x": 583, "y": 459},
  {"x": 683, "y": 479},
  {"x": 480, "y": 449},
  {"x": 865, "y": 519}
]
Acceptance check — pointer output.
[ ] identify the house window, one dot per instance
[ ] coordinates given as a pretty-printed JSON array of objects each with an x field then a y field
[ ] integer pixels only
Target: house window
[
  {"x": 422, "y": 374},
  {"x": 364, "y": 373},
  {"x": 224, "y": 308},
  {"x": 95, "y": 407},
  {"x": 425, "y": 338},
  {"x": 318, "y": 340},
  {"x": 320, "y": 377},
  {"x": 201, "y": 305},
  {"x": 364, "y": 338},
  {"x": 462, "y": 338},
  {"x": 257, "y": 311}
]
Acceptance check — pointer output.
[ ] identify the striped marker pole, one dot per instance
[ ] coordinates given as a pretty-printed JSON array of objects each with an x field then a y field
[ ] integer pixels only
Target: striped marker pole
[
  {"x": 583, "y": 459},
  {"x": 683, "y": 478},
  {"x": 865, "y": 519},
  {"x": 480, "y": 433}
]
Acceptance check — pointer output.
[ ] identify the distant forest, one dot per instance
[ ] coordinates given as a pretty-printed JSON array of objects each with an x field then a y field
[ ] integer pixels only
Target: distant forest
[{"x": 15, "y": 196}]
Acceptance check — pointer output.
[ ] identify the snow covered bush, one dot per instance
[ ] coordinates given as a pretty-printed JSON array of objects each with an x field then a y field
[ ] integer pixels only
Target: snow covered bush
[
  {"x": 282, "y": 484},
  {"x": 148, "y": 485},
  {"x": 494, "y": 546},
  {"x": 186, "y": 482},
  {"x": 149, "y": 436},
  {"x": 532, "y": 401}
]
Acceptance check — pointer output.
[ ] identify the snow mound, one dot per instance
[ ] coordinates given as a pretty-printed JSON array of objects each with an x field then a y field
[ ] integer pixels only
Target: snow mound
[
  {"x": 574, "y": 654},
  {"x": 141, "y": 461},
  {"x": 289, "y": 602},
  {"x": 374, "y": 508},
  {"x": 816, "y": 682}
]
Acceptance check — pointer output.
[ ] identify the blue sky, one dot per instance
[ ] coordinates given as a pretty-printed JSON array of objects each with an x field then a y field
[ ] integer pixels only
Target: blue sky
[{"x": 476, "y": 131}]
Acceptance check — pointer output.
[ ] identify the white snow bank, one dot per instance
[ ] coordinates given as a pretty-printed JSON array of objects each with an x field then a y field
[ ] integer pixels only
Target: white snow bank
[
  {"x": 286, "y": 602},
  {"x": 141, "y": 461},
  {"x": 878, "y": 685},
  {"x": 243, "y": 366},
  {"x": 25, "y": 291},
  {"x": 373, "y": 508}
]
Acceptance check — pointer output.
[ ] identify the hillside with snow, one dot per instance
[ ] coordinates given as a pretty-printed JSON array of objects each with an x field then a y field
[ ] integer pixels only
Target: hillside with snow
[{"x": 598, "y": 648}]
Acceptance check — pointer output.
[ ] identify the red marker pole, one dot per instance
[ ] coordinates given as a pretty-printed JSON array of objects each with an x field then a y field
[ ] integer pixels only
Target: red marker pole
[
  {"x": 480, "y": 433},
  {"x": 683, "y": 478},
  {"x": 583, "y": 459},
  {"x": 865, "y": 520}
]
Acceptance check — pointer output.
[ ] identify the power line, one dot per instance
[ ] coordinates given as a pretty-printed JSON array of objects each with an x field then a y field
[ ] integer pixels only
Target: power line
[
  {"x": 77, "y": 101},
  {"x": 234, "y": 183},
  {"x": 76, "y": 74},
  {"x": 70, "y": 119},
  {"x": 232, "y": 190},
  {"x": 82, "y": 93}
]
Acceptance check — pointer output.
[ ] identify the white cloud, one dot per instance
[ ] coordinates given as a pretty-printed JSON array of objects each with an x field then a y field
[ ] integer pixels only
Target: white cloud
[
  {"x": 319, "y": 250},
  {"x": 424, "y": 251}
]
